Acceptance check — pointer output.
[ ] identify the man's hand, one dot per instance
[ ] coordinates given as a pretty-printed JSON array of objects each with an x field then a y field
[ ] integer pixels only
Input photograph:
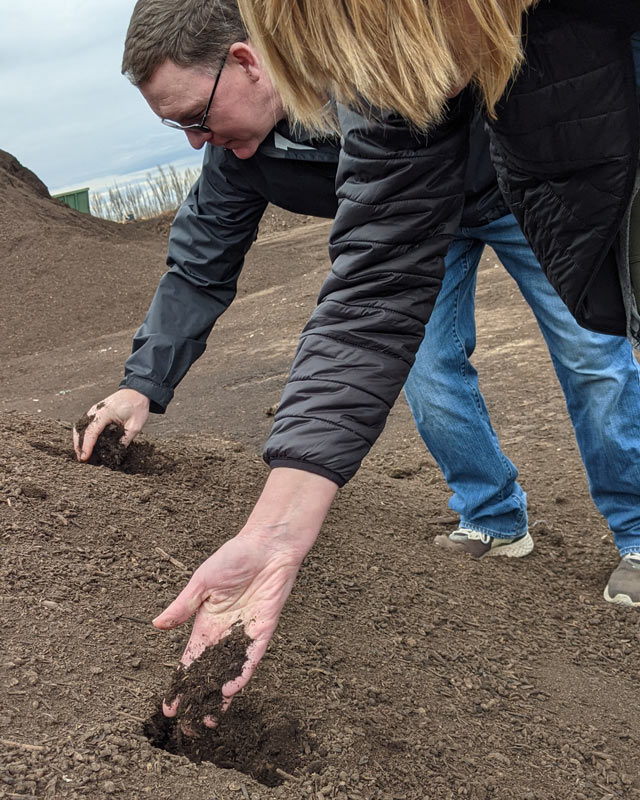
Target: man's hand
[
  {"x": 126, "y": 406},
  {"x": 250, "y": 577}
]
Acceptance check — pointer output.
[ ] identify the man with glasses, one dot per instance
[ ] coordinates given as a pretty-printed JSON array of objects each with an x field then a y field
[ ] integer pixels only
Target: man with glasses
[
  {"x": 202, "y": 126},
  {"x": 193, "y": 65}
]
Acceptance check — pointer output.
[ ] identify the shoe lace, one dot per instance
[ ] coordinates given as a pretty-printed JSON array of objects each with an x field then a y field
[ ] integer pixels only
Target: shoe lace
[{"x": 474, "y": 535}]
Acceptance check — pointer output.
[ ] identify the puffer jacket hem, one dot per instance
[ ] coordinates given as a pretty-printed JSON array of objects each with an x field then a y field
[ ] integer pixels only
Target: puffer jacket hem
[{"x": 306, "y": 466}]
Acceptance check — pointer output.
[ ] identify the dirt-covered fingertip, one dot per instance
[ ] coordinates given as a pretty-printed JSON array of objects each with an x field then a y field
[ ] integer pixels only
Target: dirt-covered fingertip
[{"x": 170, "y": 709}]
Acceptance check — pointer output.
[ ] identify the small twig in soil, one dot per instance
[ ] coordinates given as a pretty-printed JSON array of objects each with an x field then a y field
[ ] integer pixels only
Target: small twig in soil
[
  {"x": 286, "y": 775},
  {"x": 133, "y": 619},
  {"x": 36, "y": 748},
  {"x": 434, "y": 592},
  {"x": 244, "y": 791},
  {"x": 173, "y": 560}
]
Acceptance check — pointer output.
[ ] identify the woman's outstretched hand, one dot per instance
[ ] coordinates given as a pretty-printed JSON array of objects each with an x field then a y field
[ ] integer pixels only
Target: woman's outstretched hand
[{"x": 249, "y": 578}]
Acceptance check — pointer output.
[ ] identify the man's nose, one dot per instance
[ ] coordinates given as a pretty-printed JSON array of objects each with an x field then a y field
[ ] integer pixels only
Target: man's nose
[{"x": 197, "y": 139}]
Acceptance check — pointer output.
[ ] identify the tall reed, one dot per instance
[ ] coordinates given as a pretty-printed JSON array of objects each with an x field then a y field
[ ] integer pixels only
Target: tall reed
[{"x": 163, "y": 190}]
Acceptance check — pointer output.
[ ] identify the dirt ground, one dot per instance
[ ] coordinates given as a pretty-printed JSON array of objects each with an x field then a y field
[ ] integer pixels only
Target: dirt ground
[{"x": 398, "y": 672}]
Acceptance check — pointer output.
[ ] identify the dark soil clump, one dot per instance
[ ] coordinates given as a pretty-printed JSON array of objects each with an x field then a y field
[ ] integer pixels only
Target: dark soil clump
[
  {"x": 139, "y": 458},
  {"x": 199, "y": 685},
  {"x": 265, "y": 749},
  {"x": 263, "y": 742},
  {"x": 108, "y": 450}
]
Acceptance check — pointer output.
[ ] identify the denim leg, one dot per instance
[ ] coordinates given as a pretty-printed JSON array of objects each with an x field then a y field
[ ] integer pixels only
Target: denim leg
[
  {"x": 601, "y": 384},
  {"x": 450, "y": 412}
]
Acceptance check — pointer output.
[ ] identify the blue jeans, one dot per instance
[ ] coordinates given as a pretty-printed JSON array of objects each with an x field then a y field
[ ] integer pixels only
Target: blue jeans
[{"x": 598, "y": 374}]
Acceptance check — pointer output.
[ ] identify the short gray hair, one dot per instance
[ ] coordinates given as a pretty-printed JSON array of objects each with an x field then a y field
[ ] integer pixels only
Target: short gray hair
[{"x": 187, "y": 32}]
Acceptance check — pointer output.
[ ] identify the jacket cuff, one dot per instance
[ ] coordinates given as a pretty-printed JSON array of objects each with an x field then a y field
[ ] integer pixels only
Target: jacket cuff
[
  {"x": 306, "y": 466},
  {"x": 159, "y": 396}
]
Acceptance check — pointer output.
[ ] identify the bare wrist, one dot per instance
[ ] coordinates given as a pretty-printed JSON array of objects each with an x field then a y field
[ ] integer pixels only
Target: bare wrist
[{"x": 291, "y": 508}]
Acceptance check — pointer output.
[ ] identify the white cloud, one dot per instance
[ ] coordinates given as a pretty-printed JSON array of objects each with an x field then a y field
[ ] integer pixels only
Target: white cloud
[{"x": 66, "y": 112}]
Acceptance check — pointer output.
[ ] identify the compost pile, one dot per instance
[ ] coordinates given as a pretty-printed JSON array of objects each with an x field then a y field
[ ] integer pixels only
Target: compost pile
[
  {"x": 398, "y": 672},
  {"x": 75, "y": 273}
]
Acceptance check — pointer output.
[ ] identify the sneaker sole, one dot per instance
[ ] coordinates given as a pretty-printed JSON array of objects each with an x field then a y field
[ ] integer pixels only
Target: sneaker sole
[
  {"x": 619, "y": 599},
  {"x": 517, "y": 549},
  {"x": 514, "y": 550}
]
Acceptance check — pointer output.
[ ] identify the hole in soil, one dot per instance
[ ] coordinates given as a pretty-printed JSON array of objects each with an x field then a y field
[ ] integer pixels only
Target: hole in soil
[
  {"x": 140, "y": 458},
  {"x": 260, "y": 742}
]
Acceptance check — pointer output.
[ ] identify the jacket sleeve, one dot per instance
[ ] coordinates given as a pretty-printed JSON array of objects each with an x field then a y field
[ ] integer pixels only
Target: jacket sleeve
[
  {"x": 212, "y": 231},
  {"x": 400, "y": 198}
]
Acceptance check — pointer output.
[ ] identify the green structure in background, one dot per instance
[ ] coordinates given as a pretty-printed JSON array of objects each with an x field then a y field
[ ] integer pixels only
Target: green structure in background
[{"x": 78, "y": 199}]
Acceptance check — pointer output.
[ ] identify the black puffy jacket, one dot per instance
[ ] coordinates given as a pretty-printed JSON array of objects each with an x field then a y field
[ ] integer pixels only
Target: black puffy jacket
[{"x": 566, "y": 148}]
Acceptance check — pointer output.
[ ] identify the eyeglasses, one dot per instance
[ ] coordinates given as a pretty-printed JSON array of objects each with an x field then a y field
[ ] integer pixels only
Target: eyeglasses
[{"x": 199, "y": 126}]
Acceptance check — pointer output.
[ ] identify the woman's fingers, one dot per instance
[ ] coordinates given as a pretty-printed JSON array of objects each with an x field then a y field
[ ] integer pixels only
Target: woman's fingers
[
  {"x": 170, "y": 709},
  {"x": 186, "y": 603}
]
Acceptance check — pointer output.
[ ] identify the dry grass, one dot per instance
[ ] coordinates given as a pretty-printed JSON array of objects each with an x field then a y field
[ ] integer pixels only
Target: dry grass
[{"x": 163, "y": 190}]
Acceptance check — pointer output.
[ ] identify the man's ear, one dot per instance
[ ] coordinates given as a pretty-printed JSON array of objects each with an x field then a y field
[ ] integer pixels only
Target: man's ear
[{"x": 247, "y": 57}]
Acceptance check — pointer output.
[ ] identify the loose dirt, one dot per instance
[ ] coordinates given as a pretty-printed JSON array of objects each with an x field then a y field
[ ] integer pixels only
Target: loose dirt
[{"x": 397, "y": 672}]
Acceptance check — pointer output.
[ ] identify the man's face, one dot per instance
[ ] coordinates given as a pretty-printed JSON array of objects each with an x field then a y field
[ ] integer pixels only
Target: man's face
[{"x": 245, "y": 106}]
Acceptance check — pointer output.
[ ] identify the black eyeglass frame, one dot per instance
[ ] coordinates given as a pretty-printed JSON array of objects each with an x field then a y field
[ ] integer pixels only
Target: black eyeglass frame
[{"x": 201, "y": 127}]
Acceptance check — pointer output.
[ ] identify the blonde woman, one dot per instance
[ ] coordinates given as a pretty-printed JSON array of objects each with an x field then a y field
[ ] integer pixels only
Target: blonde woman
[{"x": 407, "y": 75}]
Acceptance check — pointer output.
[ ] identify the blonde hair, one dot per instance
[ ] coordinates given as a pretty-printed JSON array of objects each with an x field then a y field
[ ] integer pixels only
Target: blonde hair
[{"x": 403, "y": 55}]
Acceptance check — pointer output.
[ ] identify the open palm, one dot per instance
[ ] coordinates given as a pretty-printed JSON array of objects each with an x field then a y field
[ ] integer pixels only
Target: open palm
[{"x": 247, "y": 581}]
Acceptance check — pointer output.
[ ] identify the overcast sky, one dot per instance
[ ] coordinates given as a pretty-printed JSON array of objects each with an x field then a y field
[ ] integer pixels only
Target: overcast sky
[{"x": 66, "y": 112}]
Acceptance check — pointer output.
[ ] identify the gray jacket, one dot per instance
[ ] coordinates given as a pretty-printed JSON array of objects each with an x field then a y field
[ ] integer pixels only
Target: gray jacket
[{"x": 210, "y": 236}]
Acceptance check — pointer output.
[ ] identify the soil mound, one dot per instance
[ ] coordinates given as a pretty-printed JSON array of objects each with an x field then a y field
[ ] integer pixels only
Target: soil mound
[
  {"x": 72, "y": 276},
  {"x": 398, "y": 672},
  {"x": 12, "y": 173}
]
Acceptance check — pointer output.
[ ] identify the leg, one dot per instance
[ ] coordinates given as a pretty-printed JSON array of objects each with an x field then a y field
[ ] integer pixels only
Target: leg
[
  {"x": 601, "y": 383},
  {"x": 450, "y": 413}
]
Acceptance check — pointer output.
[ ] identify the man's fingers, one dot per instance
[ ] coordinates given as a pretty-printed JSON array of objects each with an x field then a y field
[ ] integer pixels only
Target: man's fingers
[
  {"x": 89, "y": 439},
  {"x": 76, "y": 444},
  {"x": 129, "y": 435}
]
